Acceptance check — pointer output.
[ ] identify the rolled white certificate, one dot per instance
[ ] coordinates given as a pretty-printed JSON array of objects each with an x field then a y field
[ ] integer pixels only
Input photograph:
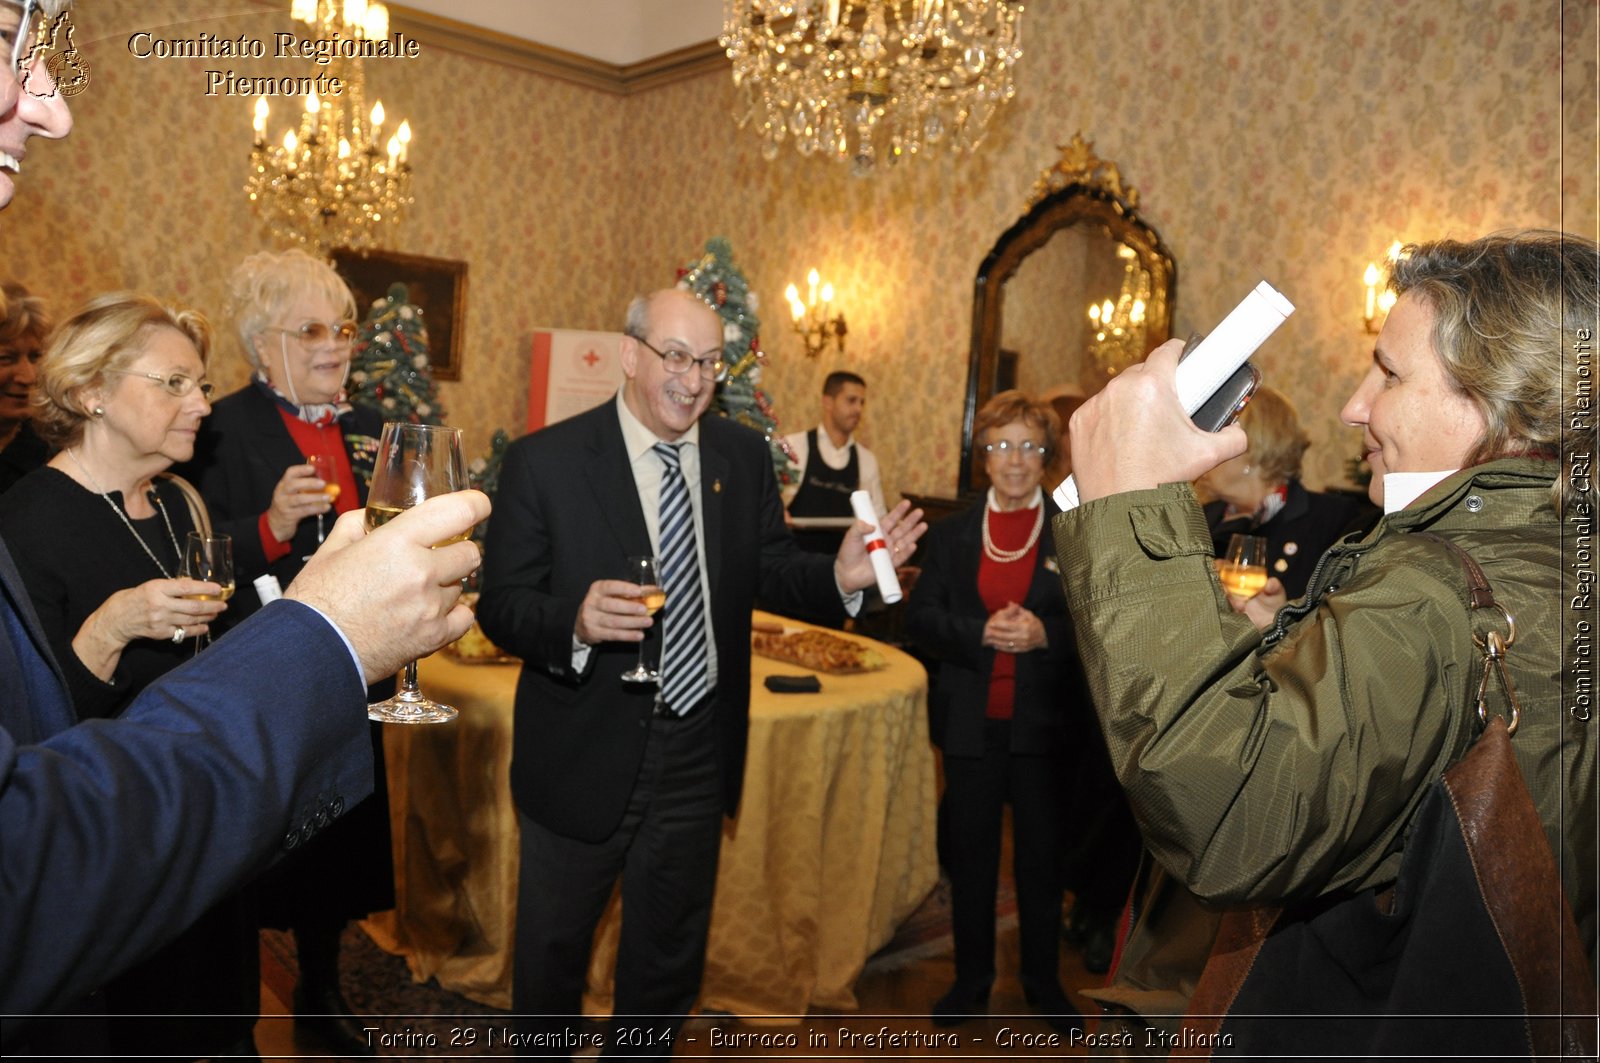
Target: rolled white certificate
[
  {"x": 877, "y": 548},
  {"x": 1217, "y": 357}
]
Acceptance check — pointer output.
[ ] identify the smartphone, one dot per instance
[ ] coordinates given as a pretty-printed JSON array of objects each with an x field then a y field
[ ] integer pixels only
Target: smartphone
[{"x": 1222, "y": 408}]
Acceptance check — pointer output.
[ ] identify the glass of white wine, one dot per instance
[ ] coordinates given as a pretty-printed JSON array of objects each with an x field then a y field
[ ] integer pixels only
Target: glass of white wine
[
  {"x": 415, "y": 462},
  {"x": 642, "y": 570},
  {"x": 1244, "y": 570},
  {"x": 210, "y": 558}
]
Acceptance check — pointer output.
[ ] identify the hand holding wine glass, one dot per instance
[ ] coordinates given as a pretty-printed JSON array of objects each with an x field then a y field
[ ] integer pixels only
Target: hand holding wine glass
[
  {"x": 210, "y": 558},
  {"x": 392, "y": 594},
  {"x": 1243, "y": 570},
  {"x": 641, "y": 569},
  {"x": 322, "y": 465},
  {"x": 415, "y": 462}
]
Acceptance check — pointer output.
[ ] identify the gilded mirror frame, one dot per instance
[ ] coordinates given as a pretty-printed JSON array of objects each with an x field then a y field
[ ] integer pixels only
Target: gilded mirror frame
[{"x": 1079, "y": 188}]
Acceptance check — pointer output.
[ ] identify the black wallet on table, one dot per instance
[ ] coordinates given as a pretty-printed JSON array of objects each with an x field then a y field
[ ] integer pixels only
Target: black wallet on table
[{"x": 793, "y": 684}]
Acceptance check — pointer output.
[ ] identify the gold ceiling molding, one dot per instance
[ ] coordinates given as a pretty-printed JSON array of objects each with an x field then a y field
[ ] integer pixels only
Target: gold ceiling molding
[
  {"x": 1080, "y": 165},
  {"x": 436, "y": 31}
]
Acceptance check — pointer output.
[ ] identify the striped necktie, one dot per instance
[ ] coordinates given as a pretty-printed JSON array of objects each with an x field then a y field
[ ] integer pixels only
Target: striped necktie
[{"x": 684, "y": 680}]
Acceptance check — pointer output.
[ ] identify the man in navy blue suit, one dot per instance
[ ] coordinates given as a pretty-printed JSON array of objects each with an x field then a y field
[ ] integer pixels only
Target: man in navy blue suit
[
  {"x": 612, "y": 778},
  {"x": 115, "y": 834}
]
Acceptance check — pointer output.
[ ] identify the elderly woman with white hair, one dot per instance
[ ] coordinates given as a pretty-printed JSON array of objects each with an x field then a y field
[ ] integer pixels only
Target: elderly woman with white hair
[{"x": 276, "y": 461}]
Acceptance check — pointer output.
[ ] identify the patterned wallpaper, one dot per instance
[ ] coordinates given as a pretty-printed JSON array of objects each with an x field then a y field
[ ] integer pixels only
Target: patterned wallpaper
[{"x": 1271, "y": 139}]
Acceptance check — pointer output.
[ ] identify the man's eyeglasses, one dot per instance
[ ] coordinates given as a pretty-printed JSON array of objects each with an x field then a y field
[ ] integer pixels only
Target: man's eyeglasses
[
  {"x": 679, "y": 361},
  {"x": 175, "y": 384},
  {"x": 1027, "y": 448},
  {"x": 340, "y": 333}
]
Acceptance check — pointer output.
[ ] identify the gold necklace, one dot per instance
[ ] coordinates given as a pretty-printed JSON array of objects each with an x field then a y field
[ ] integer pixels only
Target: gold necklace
[
  {"x": 1006, "y": 557},
  {"x": 177, "y": 551}
]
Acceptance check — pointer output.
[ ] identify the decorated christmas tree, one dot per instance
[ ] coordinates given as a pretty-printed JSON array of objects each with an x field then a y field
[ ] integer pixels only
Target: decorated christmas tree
[
  {"x": 390, "y": 371},
  {"x": 714, "y": 278}
]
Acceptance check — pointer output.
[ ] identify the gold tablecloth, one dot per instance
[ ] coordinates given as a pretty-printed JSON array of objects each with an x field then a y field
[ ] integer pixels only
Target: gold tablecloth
[{"x": 833, "y": 847}]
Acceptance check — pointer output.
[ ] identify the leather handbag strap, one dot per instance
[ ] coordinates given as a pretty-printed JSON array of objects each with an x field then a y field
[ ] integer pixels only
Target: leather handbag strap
[
  {"x": 1494, "y": 644},
  {"x": 1479, "y": 593},
  {"x": 198, "y": 514}
]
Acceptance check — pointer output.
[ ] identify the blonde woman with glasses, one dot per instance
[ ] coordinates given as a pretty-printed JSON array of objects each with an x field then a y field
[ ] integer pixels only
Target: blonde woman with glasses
[{"x": 96, "y": 534}]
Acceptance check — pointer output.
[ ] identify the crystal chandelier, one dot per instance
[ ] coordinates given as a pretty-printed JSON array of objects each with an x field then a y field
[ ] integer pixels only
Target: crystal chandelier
[
  {"x": 333, "y": 180},
  {"x": 869, "y": 80},
  {"x": 1117, "y": 327}
]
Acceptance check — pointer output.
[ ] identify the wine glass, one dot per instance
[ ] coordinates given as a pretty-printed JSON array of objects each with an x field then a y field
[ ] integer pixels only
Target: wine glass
[
  {"x": 322, "y": 465},
  {"x": 210, "y": 558},
  {"x": 1244, "y": 569},
  {"x": 642, "y": 570},
  {"x": 414, "y": 463}
]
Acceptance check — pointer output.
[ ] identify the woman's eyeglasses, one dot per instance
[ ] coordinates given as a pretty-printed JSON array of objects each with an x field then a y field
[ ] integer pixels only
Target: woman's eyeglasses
[
  {"x": 340, "y": 333},
  {"x": 678, "y": 361},
  {"x": 175, "y": 384},
  {"x": 1027, "y": 448}
]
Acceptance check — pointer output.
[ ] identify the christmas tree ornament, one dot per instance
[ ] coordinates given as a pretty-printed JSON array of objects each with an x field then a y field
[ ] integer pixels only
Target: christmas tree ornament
[{"x": 390, "y": 370}]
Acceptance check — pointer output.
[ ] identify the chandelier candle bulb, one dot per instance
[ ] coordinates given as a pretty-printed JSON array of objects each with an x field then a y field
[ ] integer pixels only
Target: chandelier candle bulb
[
  {"x": 328, "y": 185},
  {"x": 877, "y": 548}
]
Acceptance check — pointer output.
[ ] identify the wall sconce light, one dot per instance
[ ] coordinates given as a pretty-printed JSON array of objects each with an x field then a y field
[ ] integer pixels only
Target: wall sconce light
[
  {"x": 1378, "y": 303},
  {"x": 811, "y": 318}
]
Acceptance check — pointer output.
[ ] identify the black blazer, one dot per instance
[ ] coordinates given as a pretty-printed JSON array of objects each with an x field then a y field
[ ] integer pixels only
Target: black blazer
[
  {"x": 945, "y": 616},
  {"x": 567, "y": 513},
  {"x": 239, "y": 457}
]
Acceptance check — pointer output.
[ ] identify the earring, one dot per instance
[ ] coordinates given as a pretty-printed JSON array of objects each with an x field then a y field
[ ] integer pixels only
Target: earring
[
  {"x": 98, "y": 411},
  {"x": 1246, "y": 470}
]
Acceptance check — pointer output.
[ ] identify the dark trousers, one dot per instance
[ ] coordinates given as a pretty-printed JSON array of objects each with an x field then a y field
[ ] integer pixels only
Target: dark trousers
[
  {"x": 976, "y": 791},
  {"x": 666, "y": 851}
]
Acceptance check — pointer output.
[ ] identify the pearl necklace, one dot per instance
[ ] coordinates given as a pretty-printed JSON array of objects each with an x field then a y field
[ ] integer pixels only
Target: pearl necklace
[
  {"x": 1006, "y": 557},
  {"x": 177, "y": 551}
]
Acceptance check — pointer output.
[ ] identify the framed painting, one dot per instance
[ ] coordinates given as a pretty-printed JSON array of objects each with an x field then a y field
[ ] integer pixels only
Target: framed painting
[{"x": 435, "y": 286}]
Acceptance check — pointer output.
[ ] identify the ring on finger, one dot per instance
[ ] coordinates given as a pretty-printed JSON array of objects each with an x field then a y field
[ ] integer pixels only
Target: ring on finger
[{"x": 178, "y": 634}]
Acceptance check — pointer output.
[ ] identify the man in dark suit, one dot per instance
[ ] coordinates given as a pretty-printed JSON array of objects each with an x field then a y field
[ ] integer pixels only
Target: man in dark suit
[
  {"x": 117, "y": 834},
  {"x": 615, "y": 778}
]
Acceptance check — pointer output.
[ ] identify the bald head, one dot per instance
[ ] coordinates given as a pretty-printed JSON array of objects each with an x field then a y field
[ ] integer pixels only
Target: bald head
[{"x": 669, "y": 323}]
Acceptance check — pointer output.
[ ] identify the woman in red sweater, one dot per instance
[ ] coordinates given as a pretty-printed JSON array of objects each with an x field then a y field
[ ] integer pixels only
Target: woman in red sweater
[{"x": 988, "y": 607}]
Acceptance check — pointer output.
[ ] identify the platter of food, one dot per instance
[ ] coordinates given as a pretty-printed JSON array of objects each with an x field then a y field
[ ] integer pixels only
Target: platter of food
[{"x": 820, "y": 651}]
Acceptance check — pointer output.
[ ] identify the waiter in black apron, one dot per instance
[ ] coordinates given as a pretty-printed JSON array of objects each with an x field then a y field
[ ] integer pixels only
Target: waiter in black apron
[{"x": 832, "y": 464}]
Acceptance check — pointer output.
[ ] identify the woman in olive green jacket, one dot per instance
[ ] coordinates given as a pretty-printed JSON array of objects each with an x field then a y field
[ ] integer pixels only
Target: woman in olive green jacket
[{"x": 1270, "y": 766}]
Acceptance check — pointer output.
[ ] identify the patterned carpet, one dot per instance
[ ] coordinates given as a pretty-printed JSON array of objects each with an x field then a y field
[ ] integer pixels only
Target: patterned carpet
[{"x": 379, "y": 985}]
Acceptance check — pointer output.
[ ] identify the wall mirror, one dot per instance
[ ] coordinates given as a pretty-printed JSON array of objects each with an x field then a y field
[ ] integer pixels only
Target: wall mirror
[{"x": 1076, "y": 290}]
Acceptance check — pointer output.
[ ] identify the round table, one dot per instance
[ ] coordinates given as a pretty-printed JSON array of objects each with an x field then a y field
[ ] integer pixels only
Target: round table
[{"x": 833, "y": 846}]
